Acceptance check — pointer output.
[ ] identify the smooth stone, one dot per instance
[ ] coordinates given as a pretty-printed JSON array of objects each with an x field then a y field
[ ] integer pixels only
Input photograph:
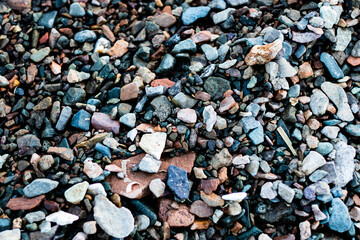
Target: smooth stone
[
  {"x": 39, "y": 186},
  {"x": 106, "y": 213},
  {"x": 85, "y": 36},
  {"x": 343, "y": 38},
  {"x": 331, "y": 65},
  {"x": 285, "y": 69},
  {"x": 209, "y": 116},
  {"x": 184, "y": 101},
  {"x": 129, "y": 119},
  {"x": 221, "y": 159},
  {"x": 35, "y": 216},
  {"x": 329, "y": 16},
  {"x": 324, "y": 148},
  {"x": 167, "y": 64},
  {"x": 318, "y": 102},
  {"x": 74, "y": 95},
  {"x": 14, "y": 234},
  {"x": 353, "y": 129},
  {"x": 185, "y": 46},
  {"x": 187, "y": 115},
  {"x": 39, "y": 55},
  {"x": 157, "y": 187},
  {"x": 344, "y": 163},
  {"x": 48, "y": 19},
  {"x": 286, "y": 192},
  {"x": 210, "y": 52},
  {"x": 223, "y": 15},
  {"x": 76, "y": 10},
  {"x": 104, "y": 150}
]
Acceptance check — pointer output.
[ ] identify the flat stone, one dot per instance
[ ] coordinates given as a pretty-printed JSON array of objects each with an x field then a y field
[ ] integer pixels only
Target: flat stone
[
  {"x": 119, "y": 49},
  {"x": 344, "y": 163},
  {"x": 48, "y": 19},
  {"x": 76, "y": 10},
  {"x": 91, "y": 169},
  {"x": 212, "y": 200},
  {"x": 106, "y": 213},
  {"x": 62, "y": 218},
  {"x": 178, "y": 182},
  {"x": 63, "y": 118},
  {"x": 129, "y": 92},
  {"x": 209, "y": 116},
  {"x": 157, "y": 187},
  {"x": 35, "y": 216},
  {"x": 267, "y": 191},
  {"x": 165, "y": 20},
  {"x": 285, "y": 69},
  {"x": 85, "y": 36},
  {"x": 39, "y": 55},
  {"x": 81, "y": 120},
  {"x": 318, "y": 102},
  {"x": 14, "y": 234},
  {"x": 128, "y": 119},
  {"x": 63, "y": 152},
  {"x": 221, "y": 159},
  {"x": 286, "y": 192},
  {"x": 223, "y": 15},
  {"x": 343, "y": 38},
  {"x": 184, "y": 101},
  {"x": 39, "y": 186},
  {"x": 22, "y": 203},
  {"x": 201, "y": 209}
]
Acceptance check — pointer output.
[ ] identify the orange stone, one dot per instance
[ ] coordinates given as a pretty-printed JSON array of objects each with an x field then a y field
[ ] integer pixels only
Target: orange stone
[
  {"x": 165, "y": 20},
  {"x": 213, "y": 200},
  {"x": 32, "y": 71},
  {"x": 108, "y": 33},
  {"x": 23, "y": 203},
  {"x": 261, "y": 54},
  {"x": 200, "y": 224},
  {"x": 353, "y": 61},
  {"x": 162, "y": 82},
  {"x": 305, "y": 70},
  {"x": 226, "y": 104},
  {"x": 140, "y": 180},
  {"x": 119, "y": 48},
  {"x": 55, "y": 68}
]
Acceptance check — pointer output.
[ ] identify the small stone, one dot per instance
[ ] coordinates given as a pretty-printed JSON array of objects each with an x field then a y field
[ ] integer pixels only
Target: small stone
[
  {"x": 176, "y": 215},
  {"x": 216, "y": 87},
  {"x": 22, "y": 203},
  {"x": 106, "y": 213},
  {"x": 85, "y": 36},
  {"x": 305, "y": 230},
  {"x": 339, "y": 217},
  {"x": 102, "y": 121},
  {"x": 35, "y": 216},
  {"x": 184, "y": 101},
  {"x": 338, "y": 96},
  {"x": 165, "y": 20},
  {"x": 312, "y": 162},
  {"x": 142, "y": 222},
  {"x": 157, "y": 187},
  {"x": 331, "y": 65},
  {"x": 212, "y": 199},
  {"x": 91, "y": 169},
  {"x": 261, "y": 54},
  {"x": 178, "y": 182},
  {"x": 62, "y": 218},
  {"x": 149, "y": 164},
  {"x": 3, "y": 82},
  {"x": 285, "y": 69},
  {"x": 344, "y": 163},
  {"x": 81, "y": 120},
  {"x": 305, "y": 70},
  {"x": 63, "y": 152},
  {"x": 286, "y": 192},
  {"x": 221, "y": 159},
  {"x": 39, "y": 186},
  {"x": 201, "y": 209},
  {"x": 76, "y": 193},
  {"x": 14, "y": 234},
  {"x": 39, "y": 55},
  {"x": 129, "y": 119},
  {"x": 191, "y": 14},
  {"x": 153, "y": 143},
  {"x": 267, "y": 191},
  {"x": 187, "y": 115},
  {"x": 46, "y": 162},
  {"x": 318, "y": 102},
  {"x": 223, "y": 15},
  {"x": 329, "y": 16},
  {"x": 90, "y": 227},
  {"x": 119, "y": 49},
  {"x": 76, "y": 10},
  {"x": 129, "y": 92},
  {"x": 185, "y": 46},
  {"x": 210, "y": 52},
  {"x": 48, "y": 19}
]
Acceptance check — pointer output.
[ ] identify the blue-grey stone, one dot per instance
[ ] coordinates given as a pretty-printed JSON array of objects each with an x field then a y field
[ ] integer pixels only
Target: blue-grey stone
[
  {"x": 104, "y": 150},
  {"x": 178, "y": 182},
  {"x": 339, "y": 217},
  {"x": 271, "y": 35},
  {"x": 325, "y": 198},
  {"x": 81, "y": 120},
  {"x": 74, "y": 95},
  {"x": 287, "y": 50},
  {"x": 184, "y": 101},
  {"x": 5, "y": 224},
  {"x": 353, "y": 129},
  {"x": 324, "y": 148},
  {"x": 217, "y": 4},
  {"x": 167, "y": 64},
  {"x": 39, "y": 186},
  {"x": 331, "y": 65},
  {"x": 257, "y": 135},
  {"x": 249, "y": 123},
  {"x": 85, "y": 36},
  {"x": 337, "y": 192},
  {"x": 187, "y": 46},
  {"x": 300, "y": 51},
  {"x": 294, "y": 91},
  {"x": 63, "y": 118},
  {"x": 192, "y": 14},
  {"x": 48, "y": 19},
  {"x": 216, "y": 87},
  {"x": 93, "y": 101},
  {"x": 301, "y": 25},
  {"x": 317, "y": 175},
  {"x": 76, "y": 10}
]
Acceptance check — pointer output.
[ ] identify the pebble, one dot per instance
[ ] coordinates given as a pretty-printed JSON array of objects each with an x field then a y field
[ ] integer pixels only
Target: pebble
[
  {"x": 153, "y": 143},
  {"x": 14, "y": 234},
  {"x": 76, "y": 193},
  {"x": 48, "y": 19},
  {"x": 89, "y": 227},
  {"x": 128, "y": 119},
  {"x": 76, "y": 10},
  {"x": 318, "y": 102},
  {"x": 191, "y": 14},
  {"x": 187, "y": 115},
  {"x": 62, "y": 218},
  {"x": 261, "y": 54},
  {"x": 39, "y": 186},
  {"x": 85, "y": 36},
  {"x": 102, "y": 121},
  {"x": 344, "y": 163},
  {"x": 331, "y": 65},
  {"x": 81, "y": 120},
  {"x": 178, "y": 182},
  {"x": 157, "y": 187},
  {"x": 286, "y": 192},
  {"x": 105, "y": 213},
  {"x": 149, "y": 164},
  {"x": 339, "y": 217}
]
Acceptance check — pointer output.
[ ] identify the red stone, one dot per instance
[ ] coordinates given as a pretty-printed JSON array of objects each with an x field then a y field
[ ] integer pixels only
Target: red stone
[
  {"x": 23, "y": 203},
  {"x": 51, "y": 206},
  {"x": 175, "y": 214},
  {"x": 209, "y": 185},
  {"x": 129, "y": 91},
  {"x": 162, "y": 82}
]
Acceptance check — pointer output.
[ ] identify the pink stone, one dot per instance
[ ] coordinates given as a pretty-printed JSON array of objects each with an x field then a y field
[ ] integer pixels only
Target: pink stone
[
  {"x": 102, "y": 121},
  {"x": 187, "y": 115}
]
